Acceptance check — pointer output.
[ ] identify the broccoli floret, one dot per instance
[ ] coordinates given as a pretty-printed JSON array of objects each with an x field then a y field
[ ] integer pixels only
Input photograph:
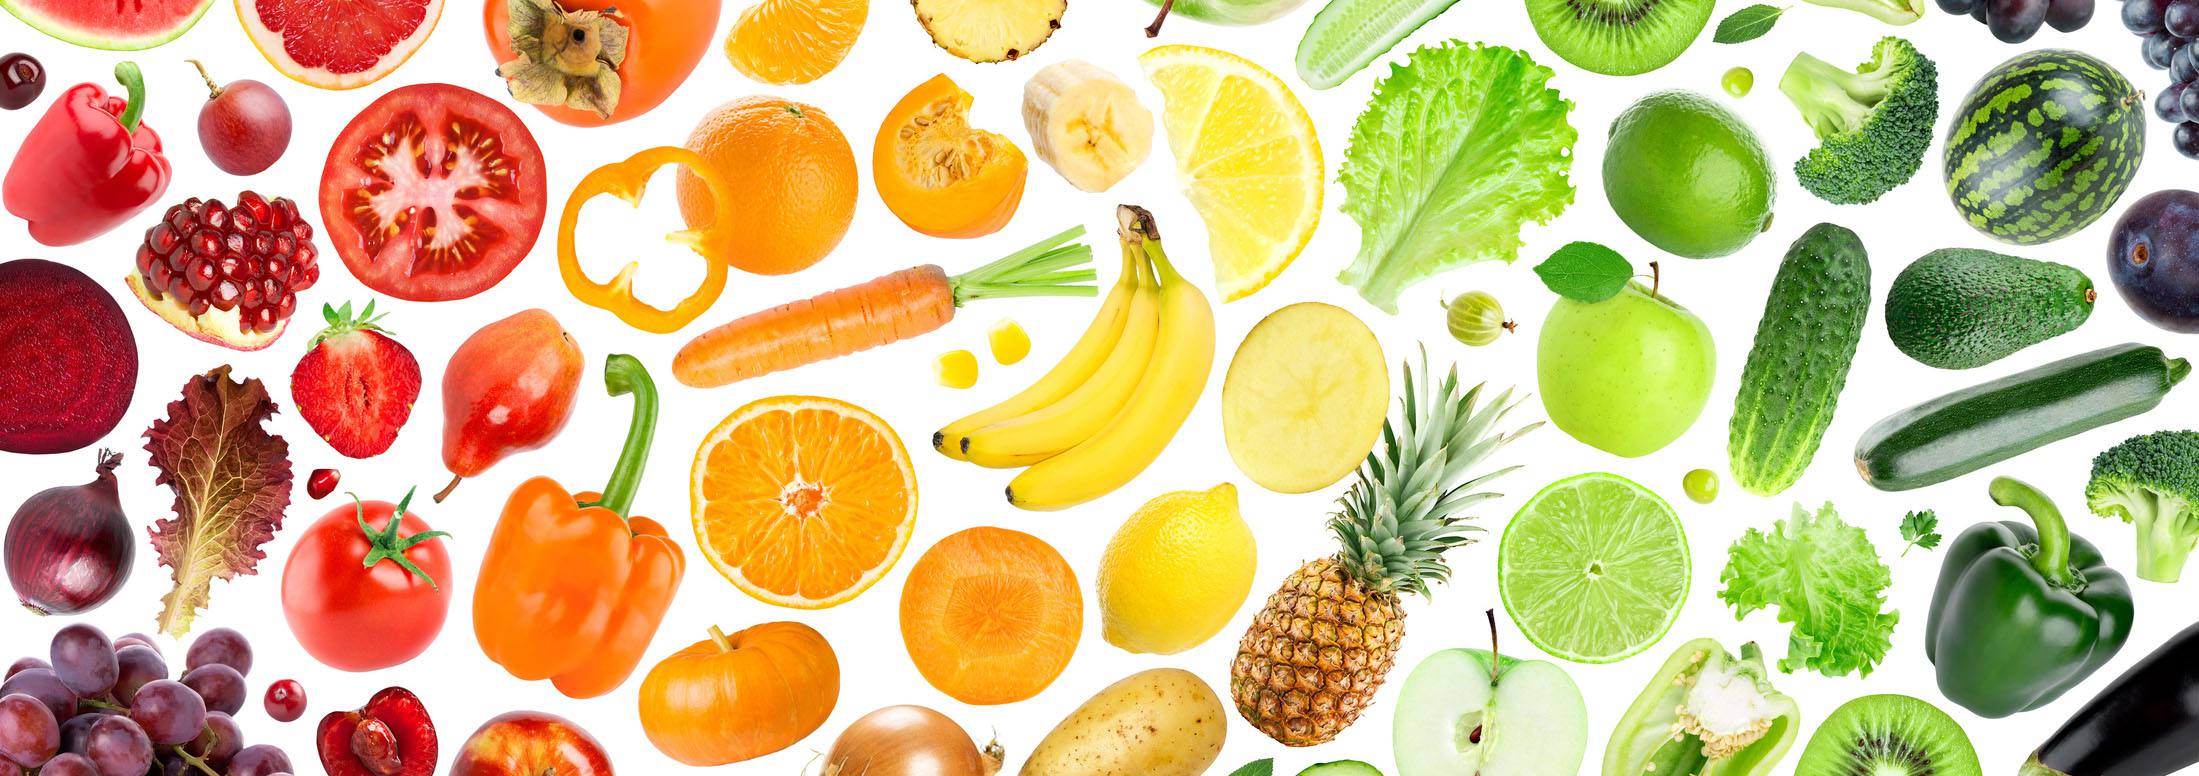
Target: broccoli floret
[
  {"x": 1896, "y": 12},
  {"x": 2152, "y": 480},
  {"x": 1873, "y": 124}
]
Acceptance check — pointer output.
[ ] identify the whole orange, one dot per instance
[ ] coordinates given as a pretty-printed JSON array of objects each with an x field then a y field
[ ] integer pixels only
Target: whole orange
[{"x": 795, "y": 178}]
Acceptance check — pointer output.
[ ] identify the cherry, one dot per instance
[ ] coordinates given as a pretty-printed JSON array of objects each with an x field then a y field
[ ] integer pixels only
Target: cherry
[
  {"x": 22, "y": 78},
  {"x": 286, "y": 700},
  {"x": 244, "y": 125}
]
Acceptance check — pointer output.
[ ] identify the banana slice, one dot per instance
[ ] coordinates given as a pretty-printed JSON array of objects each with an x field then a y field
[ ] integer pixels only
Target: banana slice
[{"x": 1086, "y": 123}]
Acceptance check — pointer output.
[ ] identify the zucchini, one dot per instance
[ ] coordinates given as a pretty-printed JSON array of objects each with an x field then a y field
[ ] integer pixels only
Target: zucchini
[
  {"x": 1812, "y": 321},
  {"x": 1985, "y": 424}
]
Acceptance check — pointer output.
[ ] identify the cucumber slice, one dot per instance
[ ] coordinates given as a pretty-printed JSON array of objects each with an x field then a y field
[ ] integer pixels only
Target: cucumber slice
[{"x": 1348, "y": 34}]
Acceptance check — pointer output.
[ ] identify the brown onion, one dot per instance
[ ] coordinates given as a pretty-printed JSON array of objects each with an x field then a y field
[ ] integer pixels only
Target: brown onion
[
  {"x": 909, "y": 741},
  {"x": 69, "y": 548}
]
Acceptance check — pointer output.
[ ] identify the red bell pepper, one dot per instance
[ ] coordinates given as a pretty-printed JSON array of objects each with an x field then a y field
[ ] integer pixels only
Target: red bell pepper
[{"x": 88, "y": 165}]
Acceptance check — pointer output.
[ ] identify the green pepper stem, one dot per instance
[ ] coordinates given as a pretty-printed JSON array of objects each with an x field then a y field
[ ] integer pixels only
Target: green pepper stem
[
  {"x": 133, "y": 80},
  {"x": 622, "y": 375},
  {"x": 2052, "y": 559}
]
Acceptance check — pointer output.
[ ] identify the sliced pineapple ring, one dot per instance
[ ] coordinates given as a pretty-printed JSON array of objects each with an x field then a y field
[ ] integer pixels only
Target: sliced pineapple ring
[
  {"x": 1305, "y": 397},
  {"x": 990, "y": 30},
  {"x": 1247, "y": 158}
]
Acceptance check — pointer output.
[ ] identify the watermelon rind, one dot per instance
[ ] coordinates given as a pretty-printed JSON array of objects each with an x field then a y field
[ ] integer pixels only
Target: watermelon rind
[
  {"x": 2044, "y": 145},
  {"x": 37, "y": 14}
]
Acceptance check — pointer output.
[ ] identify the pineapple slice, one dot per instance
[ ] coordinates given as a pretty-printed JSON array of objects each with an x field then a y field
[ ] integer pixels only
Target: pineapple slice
[{"x": 989, "y": 30}]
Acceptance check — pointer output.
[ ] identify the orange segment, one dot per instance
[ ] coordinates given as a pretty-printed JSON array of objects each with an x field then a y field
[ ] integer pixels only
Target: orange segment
[
  {"x": 803, "y": 501},
  {"x": 794, "y": 41},
  {"x": 991, "y": 615}
]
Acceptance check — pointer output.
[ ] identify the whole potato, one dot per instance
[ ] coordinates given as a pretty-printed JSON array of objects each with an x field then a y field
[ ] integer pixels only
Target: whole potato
[{"x": 1163, "y": 722}]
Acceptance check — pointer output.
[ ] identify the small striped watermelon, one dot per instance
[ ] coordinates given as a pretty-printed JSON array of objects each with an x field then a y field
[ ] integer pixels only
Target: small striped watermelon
[{"x": 2044, "y": 145}]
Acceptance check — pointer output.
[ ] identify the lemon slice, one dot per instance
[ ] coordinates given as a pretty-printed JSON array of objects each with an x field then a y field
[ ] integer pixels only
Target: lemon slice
[{"x": 1246, "y": 156}]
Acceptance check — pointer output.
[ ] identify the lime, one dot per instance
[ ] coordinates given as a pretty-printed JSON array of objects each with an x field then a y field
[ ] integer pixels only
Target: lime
[
  {"x": 1688, "y": 175},
  {"x": 1594, "y": 568}
]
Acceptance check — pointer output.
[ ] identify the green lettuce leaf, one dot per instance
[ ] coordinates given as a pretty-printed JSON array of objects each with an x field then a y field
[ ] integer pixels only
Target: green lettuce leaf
[
  {"x": 1460, "y": 146},
  {"x": 232, "y": 483},
  {"x": 1825, "y": 578}
]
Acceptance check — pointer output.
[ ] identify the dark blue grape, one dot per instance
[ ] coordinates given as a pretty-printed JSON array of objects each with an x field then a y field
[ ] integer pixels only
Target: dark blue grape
[
  {"x": 2014, "y": 21},
  {"x": 1958, "y": 7},
  {"x": 2157, "y": 50},
  {"x": 2143, "y": 16},
  {"x": 2181, "y": 18},
  {"x": 2168, "y": 104},
  {"x": 2186, "y": 139}
]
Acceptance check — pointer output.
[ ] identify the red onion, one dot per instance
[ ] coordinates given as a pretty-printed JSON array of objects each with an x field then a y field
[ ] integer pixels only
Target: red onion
[{"x": 69, "y": 548}]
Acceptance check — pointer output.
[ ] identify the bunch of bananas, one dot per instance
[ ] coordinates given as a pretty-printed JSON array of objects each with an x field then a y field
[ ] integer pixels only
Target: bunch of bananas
[{"x": 1105, "y": 411}]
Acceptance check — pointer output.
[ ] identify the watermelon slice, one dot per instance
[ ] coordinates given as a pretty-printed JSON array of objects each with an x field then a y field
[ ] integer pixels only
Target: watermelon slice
[{"x": 106, "y": 24}]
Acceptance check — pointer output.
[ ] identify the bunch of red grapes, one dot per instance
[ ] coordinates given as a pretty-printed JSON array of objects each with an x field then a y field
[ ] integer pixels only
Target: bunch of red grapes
[
  {"x": 2014, "y": 21},
  {"x": 2167, "y": 28},
  {"x": 107, "y": 708}
]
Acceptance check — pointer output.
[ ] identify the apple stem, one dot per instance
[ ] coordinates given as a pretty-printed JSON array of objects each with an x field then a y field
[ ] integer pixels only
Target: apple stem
[
  {"x": 1154, "y": 30},
  {"x": 213, "y": 89},
  {"x": 1656, "y": 276},
  {"x": 1496, "y": 659}
]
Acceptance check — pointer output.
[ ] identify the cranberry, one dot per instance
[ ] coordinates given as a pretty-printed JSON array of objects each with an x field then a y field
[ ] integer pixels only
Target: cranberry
[{"x": 286, "y": 698}]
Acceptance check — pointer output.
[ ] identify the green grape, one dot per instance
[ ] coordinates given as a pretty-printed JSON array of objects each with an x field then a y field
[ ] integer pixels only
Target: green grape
[
  {"x": 1738, "y": 81},
  {"x": 1701, "y": 486},
  {"x": 1475, "y": 318}
]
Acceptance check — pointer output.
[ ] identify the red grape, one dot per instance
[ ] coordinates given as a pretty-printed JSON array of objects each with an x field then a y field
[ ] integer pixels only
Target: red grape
[
  {"x": 69, "y": 764},
  {"x": 29, "y": 736},
  {"x": 135, "y": 665},
  {"x": 84, "y": 659},
  {"x": 220, "y": 645},
  {"x": 40, "y": 683},
  {"x": 218, "y": 742},
  {"x": 221, "y": 686},
  {"x": 169, "y": 712},
  {"x": 117, "y": 745},
  {"x": 259, "y": 760}
]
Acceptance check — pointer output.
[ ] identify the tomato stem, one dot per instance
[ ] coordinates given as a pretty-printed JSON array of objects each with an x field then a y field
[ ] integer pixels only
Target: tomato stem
[{"x": 387, "y": 545}]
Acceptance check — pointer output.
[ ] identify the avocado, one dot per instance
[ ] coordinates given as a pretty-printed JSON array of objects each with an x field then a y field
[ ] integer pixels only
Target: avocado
[{"x": 1958, "y": 308}]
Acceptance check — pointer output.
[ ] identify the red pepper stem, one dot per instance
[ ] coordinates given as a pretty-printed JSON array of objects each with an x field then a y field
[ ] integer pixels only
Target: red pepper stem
[
  {"x": 2052, "y": 558},
  {"x": 132, "y": 80},
  {"x": 622, "y": 375}
]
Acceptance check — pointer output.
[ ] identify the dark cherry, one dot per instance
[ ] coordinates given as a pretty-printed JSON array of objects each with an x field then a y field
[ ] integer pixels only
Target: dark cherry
[
  {"x": 2153, "y": 256},
  {"x": 244, "y": 125},
  {"x": 22, "y": 78}
]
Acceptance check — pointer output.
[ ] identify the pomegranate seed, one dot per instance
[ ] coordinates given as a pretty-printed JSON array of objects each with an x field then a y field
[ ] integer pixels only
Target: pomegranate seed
[
  {"x": 321, "y": 483},
  {"x": 288, "y": 305},
  {"x": 201, "y": 275},
  {"x": 196, "y": 308},
  {"x": 225, "y": 296},
  {"x": 161, "y": 238},
  {"x": 160, "y": 279},
  {"x": 214, "y": 215}
]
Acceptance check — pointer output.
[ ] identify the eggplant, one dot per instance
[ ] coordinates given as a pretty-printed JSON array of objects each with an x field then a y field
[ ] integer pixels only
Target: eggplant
[{"x": 2144, "y": 724}]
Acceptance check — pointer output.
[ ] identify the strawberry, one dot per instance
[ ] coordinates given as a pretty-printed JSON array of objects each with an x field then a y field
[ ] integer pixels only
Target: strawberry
[
  {"x": 391, "y": 736},
  {"x": 355, "y": 386}
]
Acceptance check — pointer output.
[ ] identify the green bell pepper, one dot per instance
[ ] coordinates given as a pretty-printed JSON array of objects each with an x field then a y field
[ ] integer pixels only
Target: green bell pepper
[
  {"x": 1705, "y": 713},
  {"x": 2022, "y": 614}
]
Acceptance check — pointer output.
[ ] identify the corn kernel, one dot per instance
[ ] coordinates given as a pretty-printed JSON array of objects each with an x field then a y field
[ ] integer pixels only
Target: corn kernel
[
  {"x": 956, "y": 369},
  {"x": 1008, "y": 341}
]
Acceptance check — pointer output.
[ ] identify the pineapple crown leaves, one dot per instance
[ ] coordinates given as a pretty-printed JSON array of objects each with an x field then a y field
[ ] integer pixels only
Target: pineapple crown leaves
[
  {"x": 341, "y": 321},
  {"x": 1403, "y": 511}
]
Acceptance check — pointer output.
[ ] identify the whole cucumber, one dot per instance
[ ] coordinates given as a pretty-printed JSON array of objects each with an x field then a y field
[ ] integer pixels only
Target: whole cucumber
[
  {"x": 1812, "y": 321},
  {"x": 1985, "y": 424}
]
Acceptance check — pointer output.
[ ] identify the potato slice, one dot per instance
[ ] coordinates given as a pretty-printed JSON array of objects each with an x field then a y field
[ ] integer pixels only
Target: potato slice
[{"x": 1305, "y": 397}]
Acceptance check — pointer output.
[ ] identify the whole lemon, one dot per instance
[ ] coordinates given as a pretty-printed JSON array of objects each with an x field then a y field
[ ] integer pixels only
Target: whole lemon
[{"x": 1176, "y": 571}]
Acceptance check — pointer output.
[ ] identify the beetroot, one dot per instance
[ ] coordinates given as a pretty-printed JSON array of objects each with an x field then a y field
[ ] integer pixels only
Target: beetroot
[{"x": 72, "y": 360}]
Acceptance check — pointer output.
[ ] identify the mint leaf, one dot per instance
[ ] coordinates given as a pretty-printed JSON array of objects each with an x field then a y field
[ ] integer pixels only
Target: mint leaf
[
  {"x": 1920, "y": 529},
  {"x": 1256, "y": 768},
  {"x": 1747, "y": 24},
  {"x": 1585, "y": 272}
]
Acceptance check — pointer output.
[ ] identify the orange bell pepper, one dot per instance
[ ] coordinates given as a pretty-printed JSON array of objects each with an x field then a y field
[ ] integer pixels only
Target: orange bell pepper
[
  {"x": 572, "y": 589},
  {"x": 626, "y": 180}
]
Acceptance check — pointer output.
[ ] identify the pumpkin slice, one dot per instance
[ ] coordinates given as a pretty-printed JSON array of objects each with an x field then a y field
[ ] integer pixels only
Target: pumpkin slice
[
  {"x": 803, "y": 501},
  {"x": 938, "y": 174}
]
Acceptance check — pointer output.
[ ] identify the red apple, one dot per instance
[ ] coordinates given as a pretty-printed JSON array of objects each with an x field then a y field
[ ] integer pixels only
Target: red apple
[{"x": 529, "y": 743}]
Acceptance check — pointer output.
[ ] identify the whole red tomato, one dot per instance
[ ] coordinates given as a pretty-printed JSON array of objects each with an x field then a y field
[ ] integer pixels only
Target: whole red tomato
[{"x": 363, "y": 592}]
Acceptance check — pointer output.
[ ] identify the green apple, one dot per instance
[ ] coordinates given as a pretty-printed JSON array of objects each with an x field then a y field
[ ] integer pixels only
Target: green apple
[
  {"x": 1467, "y": 711},
  {"x": 1626, "y": 375},
  {"x": 1341, "y": 768},
  {"x": 1232, "y": 12}
]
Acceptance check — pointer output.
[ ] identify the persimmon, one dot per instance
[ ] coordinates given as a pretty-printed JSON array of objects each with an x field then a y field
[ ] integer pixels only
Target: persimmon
[
  {"x": 991, "y": 615},
  {"x": 938, "y": 174},
  {"x": 731, "y": 698},
  {"x": 665, "y": 39}
]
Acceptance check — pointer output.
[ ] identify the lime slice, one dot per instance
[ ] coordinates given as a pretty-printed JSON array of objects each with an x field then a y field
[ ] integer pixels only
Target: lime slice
[{"x": 1594, "y": 568}]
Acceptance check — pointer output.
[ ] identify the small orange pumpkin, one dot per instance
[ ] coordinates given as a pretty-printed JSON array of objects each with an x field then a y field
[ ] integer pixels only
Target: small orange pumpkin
[
  {"x": 938, "y": 174},
  {"x": 732, "y": 698}
]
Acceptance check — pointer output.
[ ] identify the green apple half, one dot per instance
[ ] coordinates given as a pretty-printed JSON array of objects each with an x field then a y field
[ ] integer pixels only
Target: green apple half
[
  {"x": 1231, "y": 12},
  {"x": 1626, "y": 375},
  {"x": 1466, "y": 711}
]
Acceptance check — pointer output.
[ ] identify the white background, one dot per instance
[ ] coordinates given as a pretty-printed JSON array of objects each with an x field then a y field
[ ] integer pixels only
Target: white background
[{"x": 462, "y": 689}]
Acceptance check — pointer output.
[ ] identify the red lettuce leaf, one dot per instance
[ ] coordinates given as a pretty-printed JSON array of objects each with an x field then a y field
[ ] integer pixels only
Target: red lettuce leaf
[{"x": 232, "y": 482}]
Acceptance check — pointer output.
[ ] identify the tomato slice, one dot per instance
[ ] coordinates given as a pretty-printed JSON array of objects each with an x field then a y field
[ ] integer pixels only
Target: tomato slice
[{"x": 433, "y": 193}]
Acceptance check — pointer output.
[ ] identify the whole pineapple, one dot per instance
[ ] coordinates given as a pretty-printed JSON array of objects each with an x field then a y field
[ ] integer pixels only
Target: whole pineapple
[{"x": 1315, "y": 655}]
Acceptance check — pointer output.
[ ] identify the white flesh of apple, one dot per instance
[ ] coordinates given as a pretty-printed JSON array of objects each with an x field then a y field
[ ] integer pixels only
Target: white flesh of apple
[{"x": 1532, "y": 722}]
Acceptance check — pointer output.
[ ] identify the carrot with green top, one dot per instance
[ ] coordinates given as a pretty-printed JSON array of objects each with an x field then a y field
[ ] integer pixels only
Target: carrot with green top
[{"x": 881, "y": 311}]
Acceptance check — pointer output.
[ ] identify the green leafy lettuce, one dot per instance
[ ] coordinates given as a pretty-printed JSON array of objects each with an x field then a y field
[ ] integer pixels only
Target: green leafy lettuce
[
  {"x": 1460, "y": 146},
  {"x": 232, "y": 481},
  {"x": 1825, "y": 578}
]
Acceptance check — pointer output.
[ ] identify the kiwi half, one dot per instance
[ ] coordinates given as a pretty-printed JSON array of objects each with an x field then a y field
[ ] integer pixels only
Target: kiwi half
[
  {"x": 1619, "y": 37},
  {"x": 1889, "y": 735}
]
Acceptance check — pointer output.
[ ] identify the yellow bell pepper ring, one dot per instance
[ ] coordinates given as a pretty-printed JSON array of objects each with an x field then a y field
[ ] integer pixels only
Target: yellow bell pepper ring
[{"x": 626, "y": 180}]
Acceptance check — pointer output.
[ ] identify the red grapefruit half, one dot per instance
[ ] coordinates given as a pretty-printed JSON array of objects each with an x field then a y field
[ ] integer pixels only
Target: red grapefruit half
[
  {"x": 337, "y": 44},
  {"x": 105, "y": 24}
]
